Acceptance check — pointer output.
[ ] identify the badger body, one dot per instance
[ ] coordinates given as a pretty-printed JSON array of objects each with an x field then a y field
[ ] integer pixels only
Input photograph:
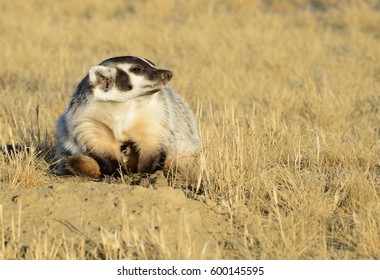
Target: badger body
[{"x": 123, "y": 116}]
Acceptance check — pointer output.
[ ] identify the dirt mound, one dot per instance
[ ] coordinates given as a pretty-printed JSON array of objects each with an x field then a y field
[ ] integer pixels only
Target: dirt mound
[{"x": 75, "y": 218}]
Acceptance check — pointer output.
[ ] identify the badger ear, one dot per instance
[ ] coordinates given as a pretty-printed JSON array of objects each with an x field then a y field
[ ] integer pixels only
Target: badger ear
[{"x": 102, "y": 77}]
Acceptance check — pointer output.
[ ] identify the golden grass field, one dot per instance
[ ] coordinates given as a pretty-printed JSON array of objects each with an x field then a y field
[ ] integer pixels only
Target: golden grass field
[{"x": 287, "y": 95}]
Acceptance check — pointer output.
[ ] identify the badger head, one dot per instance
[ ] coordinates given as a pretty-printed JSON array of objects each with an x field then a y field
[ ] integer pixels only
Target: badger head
[{"x": 120, "y": 79}]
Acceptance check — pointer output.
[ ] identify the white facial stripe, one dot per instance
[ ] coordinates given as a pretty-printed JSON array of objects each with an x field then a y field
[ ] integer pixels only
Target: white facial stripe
[{"x": 147, "y": 62}]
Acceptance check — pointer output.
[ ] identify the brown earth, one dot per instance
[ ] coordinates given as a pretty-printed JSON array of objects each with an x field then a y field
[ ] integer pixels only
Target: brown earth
[{"x": 113, "y": 220}]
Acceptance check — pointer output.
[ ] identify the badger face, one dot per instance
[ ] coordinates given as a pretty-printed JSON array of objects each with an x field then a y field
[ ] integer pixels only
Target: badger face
[{"x": 120, "y": 79}]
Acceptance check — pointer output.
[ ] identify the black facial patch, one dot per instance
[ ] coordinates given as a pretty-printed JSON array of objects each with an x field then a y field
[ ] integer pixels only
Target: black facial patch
[
  {"x": 151, "y": 73},
  {"x": 122, "y": 81}
]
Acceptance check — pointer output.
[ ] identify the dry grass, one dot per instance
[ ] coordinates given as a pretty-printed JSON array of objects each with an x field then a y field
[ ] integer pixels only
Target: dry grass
[{"x": 287, "y": 94}]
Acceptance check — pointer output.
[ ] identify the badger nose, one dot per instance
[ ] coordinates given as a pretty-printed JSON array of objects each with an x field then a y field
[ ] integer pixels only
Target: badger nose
[{"x": 166, "y": 75}]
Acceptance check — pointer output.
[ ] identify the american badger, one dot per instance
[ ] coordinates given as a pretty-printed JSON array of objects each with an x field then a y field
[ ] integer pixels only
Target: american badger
[{"x": 123, "y": 116}]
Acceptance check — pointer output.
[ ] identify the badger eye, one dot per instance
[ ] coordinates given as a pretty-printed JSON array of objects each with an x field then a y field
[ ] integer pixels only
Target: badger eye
[{"x": 136, "y": 69}]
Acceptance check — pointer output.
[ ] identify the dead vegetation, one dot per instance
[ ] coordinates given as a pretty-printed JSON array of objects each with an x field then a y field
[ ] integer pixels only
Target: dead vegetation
[{"x": 287, "y": 97}]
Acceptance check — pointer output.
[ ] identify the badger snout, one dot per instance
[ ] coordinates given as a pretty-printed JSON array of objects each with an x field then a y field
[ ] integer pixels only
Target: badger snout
[{"x": 165, "y": 75}]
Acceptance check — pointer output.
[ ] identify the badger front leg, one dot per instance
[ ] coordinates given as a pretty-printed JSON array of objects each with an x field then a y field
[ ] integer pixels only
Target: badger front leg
[
  {"x": 151, "y": 158},
  {"x": 93, "y": 165},
  {"x": 101, "y": 148}
]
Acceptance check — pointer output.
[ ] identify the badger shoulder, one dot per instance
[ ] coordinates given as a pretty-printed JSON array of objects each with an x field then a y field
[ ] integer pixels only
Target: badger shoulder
[{"x": 182, "y": 119}]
